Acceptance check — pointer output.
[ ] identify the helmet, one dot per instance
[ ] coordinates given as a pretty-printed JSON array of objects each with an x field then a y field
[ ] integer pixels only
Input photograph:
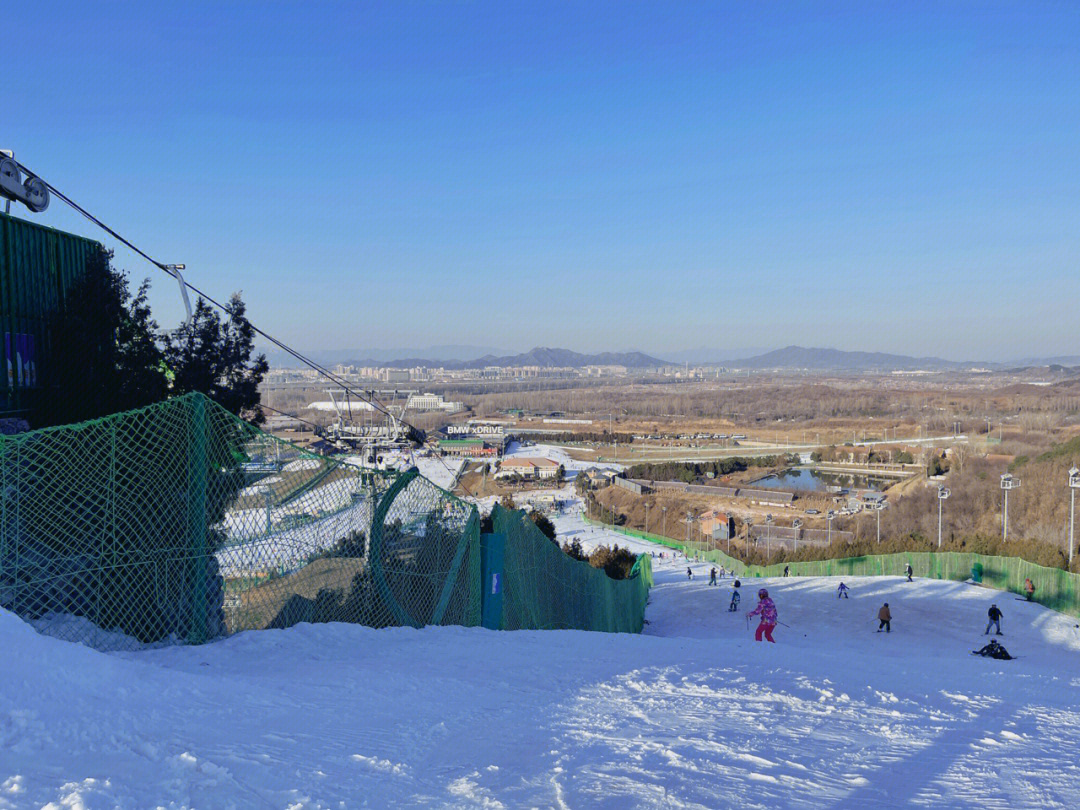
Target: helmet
[
  {"x": 886, "y": 604},
  {"x": 763, "y": 593}
]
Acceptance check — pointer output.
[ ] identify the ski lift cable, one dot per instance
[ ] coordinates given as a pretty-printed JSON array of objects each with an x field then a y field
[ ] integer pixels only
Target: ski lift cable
[{"x": 185, "y": 284}]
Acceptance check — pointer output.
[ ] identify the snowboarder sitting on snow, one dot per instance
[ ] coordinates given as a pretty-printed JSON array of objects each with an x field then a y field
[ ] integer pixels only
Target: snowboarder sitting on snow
[
  {"x": 993, "y": 650},
  {"x": 689, "y": 573},
  {"x": 767, "y": 610},
  {"x": 1029, "y": 588},
  {"x": 995, "y": 620},
  {"x": 909, "y": 571},
  {"x": 735, "y": 597},
  {"x": 712, "y": 576},
  {"x": 842, "y": 591},
  {"x": 885, "y": 617}
]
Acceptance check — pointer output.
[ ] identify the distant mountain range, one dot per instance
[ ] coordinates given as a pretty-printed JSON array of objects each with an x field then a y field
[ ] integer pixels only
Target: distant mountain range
[
  {"x": 797, "y": 357},
  {"x": 790, "y": 357},
  {"x": 540, "y": 356}
]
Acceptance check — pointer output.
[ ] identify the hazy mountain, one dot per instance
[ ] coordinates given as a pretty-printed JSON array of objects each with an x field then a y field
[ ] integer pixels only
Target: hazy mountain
[
  {"x": 711, "y": 356},
  {"x": 799, "y": 357},
  {"x": 1063, "y": 360},
  {"x": 543, "y": 357}
]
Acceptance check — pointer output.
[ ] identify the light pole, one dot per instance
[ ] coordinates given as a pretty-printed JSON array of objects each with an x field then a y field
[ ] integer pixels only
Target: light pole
[
  {"x": 829, "y": 518},
  {"x": 1074, "y": 484},
  {"x": 749, "y": 523},
  {"x": 796, "y": 524},
  {"x": 768, "y": 538},
  {"x": 664, "y": 510},
  {"x": 1007, "y": 482},
  {"x": 879, "y": 507},
  {"x": 942, "y": 494},
  {"x": 646, "y": 517}
]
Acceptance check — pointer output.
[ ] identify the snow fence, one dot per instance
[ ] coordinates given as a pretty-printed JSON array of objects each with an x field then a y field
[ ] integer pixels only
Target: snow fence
[
  {"x": 543, "y": 588},
  {"x": 180, "y": 523},
  {"x": 1055, "y": 588}
]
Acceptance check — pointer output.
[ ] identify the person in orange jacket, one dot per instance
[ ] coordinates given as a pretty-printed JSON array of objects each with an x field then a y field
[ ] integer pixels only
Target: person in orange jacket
[
  {"x": 885, "y": 618},
  {"x": 1029, "y": 588}
]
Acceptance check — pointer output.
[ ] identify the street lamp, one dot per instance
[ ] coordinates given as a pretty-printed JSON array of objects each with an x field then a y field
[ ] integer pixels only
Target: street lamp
[
  {"x": 768, "y": 538},
  {"x": 646, "y": 517},
  {"x": 1007, "y": 482},
  {"x": 1074, "y": 484},
  {"x": 829, "y": 518},
  {"x": 749, "y": 523},
  {"x": 796, "y": 524},
  {"x": 664, "y": 510},
  {"x": 942, "y": 494}
]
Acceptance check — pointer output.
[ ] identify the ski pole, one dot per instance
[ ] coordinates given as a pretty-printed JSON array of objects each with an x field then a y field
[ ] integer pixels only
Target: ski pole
[{"x": 788, "y": 626}]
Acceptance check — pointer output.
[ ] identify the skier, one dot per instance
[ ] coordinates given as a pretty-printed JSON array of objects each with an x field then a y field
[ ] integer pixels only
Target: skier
[
  {"x": 842, "y": 591},
  {"x": 689, "y": 573},
  {"x": 1029, "y": 588},
  {"x": 723, "y": 572},
  {"x": 995, "y": 619},
  {"x": 767, "y": 610},
  {"x": 735, "y": 597},
  {"x": 885, "y": 617},
  {"x": 993, "y": 650},
  {"x": 787, "y": 573},
  {"x": 909, "y": 571},
  {"x": 712, "y": 576}
]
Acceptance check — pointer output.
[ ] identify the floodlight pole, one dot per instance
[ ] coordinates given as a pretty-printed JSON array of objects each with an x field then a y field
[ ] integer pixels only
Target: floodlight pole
[
  {"x": 942, "y": 494},
  {"x": 646, "y": 517},
  {"x": 664, "y": 510},
  {"x": 879, "y": 523},
  {"x": 1074, "y": 484},
  {"x": 796, "y": 524},
  {"x": 1007, "y": 482}
]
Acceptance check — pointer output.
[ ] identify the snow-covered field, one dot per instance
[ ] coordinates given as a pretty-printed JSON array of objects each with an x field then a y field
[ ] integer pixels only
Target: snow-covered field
[{"x": 692, "y": 713}]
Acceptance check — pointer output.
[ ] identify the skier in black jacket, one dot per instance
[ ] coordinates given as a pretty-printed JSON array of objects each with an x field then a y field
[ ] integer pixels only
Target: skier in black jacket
[
  {"x": 995, "y": 619},
  {"x": 993, "y": 650}
]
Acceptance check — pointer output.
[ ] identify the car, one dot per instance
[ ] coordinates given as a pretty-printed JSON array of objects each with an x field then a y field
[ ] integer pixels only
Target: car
[{"x": 813, "y": 511}]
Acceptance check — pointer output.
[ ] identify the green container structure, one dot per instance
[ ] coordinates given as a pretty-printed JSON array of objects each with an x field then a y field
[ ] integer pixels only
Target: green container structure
[{"x": 38, "y": 266}]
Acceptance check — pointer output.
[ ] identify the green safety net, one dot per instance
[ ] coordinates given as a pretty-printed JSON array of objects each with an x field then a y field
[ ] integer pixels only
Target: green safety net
[
  {"x": 1054, "y": 587},
  {"x": 180, "y": 523},
  {"x": 544, "y": 588}
]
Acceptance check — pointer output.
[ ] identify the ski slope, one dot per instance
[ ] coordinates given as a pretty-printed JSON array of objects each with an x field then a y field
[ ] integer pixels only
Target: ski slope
[{"x": 691, "y": 714}]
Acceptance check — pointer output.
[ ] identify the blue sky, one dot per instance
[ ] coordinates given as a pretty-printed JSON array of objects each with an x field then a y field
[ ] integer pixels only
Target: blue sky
[{"x": 877, "y": 176}]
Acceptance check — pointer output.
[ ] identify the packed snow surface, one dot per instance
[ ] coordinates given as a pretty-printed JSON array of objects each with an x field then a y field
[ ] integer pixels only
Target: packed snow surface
[{"x": 691, "y": 714}]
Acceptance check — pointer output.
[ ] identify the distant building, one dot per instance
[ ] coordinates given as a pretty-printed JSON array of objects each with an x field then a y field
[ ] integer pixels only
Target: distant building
[
  {"x": 467, "y": 448},
  {"x": 716, "y": 524},
  {"x": 538, "y": 468},
  {"x": 432, "y": 402}
]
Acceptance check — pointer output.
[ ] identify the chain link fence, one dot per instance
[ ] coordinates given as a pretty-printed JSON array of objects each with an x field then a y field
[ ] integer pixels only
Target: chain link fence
[{"x": 180, "y": 523}]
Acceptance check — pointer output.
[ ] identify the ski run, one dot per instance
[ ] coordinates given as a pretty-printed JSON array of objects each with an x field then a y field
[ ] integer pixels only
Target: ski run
[{"x": 690, "y": 714}]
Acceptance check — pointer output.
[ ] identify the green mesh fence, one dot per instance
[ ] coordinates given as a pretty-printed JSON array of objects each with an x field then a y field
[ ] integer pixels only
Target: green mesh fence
[
  {"x": 1054, "y": 587},
  {"x": 180, "y": 523},
  {"x": 546, "y": 589}
]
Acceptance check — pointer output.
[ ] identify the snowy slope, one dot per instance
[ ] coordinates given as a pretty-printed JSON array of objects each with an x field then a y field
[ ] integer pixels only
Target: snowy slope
[{"x": 692, "y": 713}]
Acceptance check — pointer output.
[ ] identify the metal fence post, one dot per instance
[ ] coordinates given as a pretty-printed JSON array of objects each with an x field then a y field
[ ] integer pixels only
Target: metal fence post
[
  {"x": 492, "y": 556},
  {"x": 197, "y": 474}
]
